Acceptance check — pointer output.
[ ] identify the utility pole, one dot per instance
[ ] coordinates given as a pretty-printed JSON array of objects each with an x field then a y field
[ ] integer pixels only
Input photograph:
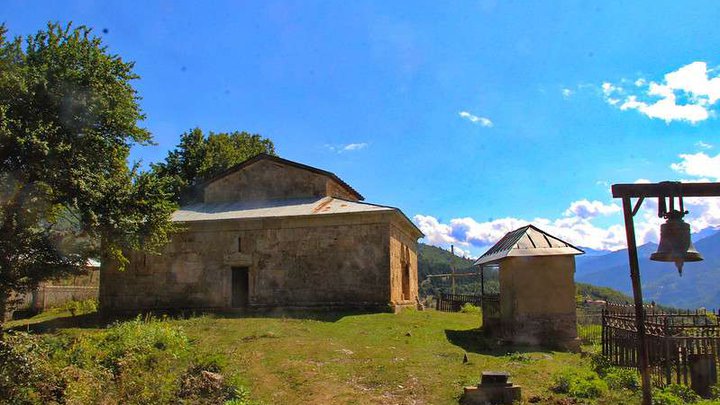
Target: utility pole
[{"x": 452, "y": 268}]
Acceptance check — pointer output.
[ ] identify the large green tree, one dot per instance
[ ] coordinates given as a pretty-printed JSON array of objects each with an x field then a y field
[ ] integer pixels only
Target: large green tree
[
  {"x": 198, "y": 157},
  {"x": 68, "y": 118}
]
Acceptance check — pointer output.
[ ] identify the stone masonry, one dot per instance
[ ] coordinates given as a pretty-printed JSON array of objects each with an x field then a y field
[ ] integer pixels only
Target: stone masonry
[{"x": 327, "y": 250}]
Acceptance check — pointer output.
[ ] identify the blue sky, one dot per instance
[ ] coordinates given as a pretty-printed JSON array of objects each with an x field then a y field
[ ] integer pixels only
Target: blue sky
[{"x": 472, "y": 117}]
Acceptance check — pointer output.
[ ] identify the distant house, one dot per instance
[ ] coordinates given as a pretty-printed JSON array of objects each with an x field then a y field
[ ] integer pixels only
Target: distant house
[
  {"x": 268, "y": 233},
  {"x": 537, "y": 288}
]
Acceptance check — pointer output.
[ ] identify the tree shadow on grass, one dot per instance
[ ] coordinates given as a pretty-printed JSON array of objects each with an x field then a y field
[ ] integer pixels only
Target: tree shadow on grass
[
  {"x": 85, "y": 321},
  {"x": 478, "y": 341}
]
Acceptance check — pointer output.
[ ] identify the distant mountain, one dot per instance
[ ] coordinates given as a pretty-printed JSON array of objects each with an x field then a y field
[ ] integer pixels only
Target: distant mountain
[
  {"x": 589, "y": 252},
  {"x": 699, "y": 285},
  {"x": 710, "y": 231}
]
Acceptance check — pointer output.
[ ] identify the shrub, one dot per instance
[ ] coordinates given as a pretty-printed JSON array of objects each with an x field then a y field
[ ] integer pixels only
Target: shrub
[
  {"x": 520, "y": 357},
  {"x": 579, "y": 383},
  {"x": 80, "y": 307},
  {"x": 682, "y": 392},
  {"x": 469, "y": 308},
  {"x": 666, "y": 398},
  {"x": 600, "y": 364},
  {"x": 622, "y": 378},
  {"x": 203, "y": 383},
  {"x": 25, "y": 375},
  {"x": 715, "y": 391}
]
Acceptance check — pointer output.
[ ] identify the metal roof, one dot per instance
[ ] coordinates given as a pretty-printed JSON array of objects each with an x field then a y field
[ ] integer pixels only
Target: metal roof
[
  {"x": 272, "y": 208},
  {"x": 527, "y": 241},
  {"x": 265, "y": 156}
]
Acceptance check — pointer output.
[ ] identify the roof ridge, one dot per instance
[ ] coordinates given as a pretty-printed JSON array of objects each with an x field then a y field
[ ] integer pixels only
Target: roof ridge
[
  {"x": 278, "y": 159},
  {"x": 510, "y": 242}
]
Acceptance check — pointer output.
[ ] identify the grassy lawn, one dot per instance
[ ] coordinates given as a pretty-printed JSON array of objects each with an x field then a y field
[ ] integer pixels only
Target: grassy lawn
[
  {"x": 411, "y": 357},
  {"x": 407, "y": 358}
]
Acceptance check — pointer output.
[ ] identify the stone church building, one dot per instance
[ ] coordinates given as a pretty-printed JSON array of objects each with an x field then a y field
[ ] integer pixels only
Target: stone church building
[{"x": 271, "y": 233}]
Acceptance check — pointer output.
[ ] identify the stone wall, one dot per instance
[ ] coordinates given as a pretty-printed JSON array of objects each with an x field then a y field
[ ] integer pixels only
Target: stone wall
[
  {"x": 338, "y": 260},
  {"x": 48, "y": 296},
  {"x": 269, "y": 180},
  {"x": 403, "y": 267},
  {"x": 537, "y": 300}
]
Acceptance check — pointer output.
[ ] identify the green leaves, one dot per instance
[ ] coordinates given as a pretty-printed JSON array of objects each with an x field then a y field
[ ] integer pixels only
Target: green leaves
[
  {"x": 68, "y": 117},
  {"x": 199, "y": 157}
]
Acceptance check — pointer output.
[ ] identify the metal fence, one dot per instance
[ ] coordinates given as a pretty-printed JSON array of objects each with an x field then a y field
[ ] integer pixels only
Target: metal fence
[
  {"x": 455, "y": 302},
  {"x": 589, "y": 326},
  {"x": 677, "y": 342}
]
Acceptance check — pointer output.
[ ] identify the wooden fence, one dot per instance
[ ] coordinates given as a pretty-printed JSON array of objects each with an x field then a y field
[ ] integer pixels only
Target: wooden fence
[{"x": 677, "y": 342}]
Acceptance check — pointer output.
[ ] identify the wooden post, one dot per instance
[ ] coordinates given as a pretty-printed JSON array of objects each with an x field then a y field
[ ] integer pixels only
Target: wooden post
[
  {"x": 452, "y": 268},
  {"x": 637, "y": 295},
  {"x": 482, "y": 282}
]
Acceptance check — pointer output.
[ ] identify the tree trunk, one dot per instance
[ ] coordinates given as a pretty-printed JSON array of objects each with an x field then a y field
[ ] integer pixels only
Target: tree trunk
[{"x": 3, "y": 307}]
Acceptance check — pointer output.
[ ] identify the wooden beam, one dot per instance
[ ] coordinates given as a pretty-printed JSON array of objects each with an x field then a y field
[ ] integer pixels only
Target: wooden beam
[
  {"x": 666, "y": 189},
  {"x": 643, "y": 361},
  {"x": 452, "y": 275}
]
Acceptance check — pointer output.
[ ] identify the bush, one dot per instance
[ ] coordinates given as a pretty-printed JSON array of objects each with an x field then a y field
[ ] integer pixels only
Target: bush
[
  {"x": 682, "y": 392},
  {"x": 600, "y": 364},
  {"x": 25, "y": 375},
  {"x": 469, "y": 308},
  {"x": 622, "y": 378},
  {"x": 520, "y": 357},
  {"x": 81, "y": 307},
  {"x": 579, "y": 383}
]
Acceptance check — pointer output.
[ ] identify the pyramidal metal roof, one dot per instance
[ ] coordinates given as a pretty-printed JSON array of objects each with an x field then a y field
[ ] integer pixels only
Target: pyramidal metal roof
[{"x": 527, "y": 241}]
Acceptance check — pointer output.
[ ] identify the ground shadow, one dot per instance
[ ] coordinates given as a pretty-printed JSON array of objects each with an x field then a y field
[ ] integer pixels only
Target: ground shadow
[
  {"x": 323, "y": 315},
  {"x": 86, "y": 321},
  {"x": 97, "y": 320},
  {"x": 478, "y": 341}
]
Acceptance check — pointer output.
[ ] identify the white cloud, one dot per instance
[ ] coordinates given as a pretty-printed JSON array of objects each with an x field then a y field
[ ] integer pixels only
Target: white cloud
[
  {"x": 567, "y": 93},
  {"x": 485, "y": 122},
  {"x": 686, "y": 94},
  {"x": 482, "y": 235},
  {"x": 591, "y": 209},
  {"x": 699, "y": 165},
  {"x": 435, "y": 233},
  {"x": 351, "y": 147},
  {"x": 355, "y": 146},
  {"x": 576, "y": 226},
  {"x": 703, "y": 145}
]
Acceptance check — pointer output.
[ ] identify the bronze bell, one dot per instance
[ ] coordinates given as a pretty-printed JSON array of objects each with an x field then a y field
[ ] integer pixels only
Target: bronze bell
[{"x": 675, "y": 243}]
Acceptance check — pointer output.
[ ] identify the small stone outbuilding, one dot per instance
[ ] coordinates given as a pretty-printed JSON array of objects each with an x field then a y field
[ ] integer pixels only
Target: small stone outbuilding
[
  {"x": 537, "y": 288},
  {"x": 272, "y": 233}
]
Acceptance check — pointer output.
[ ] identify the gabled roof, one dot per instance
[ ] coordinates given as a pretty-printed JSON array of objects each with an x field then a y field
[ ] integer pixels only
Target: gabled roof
[
  {"x": 316, "y": 206},
  {"x": 265, "y": 156},
  {"x": 527, "y": 241}
]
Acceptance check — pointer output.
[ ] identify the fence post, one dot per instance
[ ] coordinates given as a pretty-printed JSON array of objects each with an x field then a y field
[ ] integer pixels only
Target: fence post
[{"x": 668, "y": 364}]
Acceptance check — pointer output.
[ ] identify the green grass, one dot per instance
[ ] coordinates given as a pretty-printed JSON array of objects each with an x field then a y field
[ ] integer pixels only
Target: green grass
[{"x": 328, "y": 358}]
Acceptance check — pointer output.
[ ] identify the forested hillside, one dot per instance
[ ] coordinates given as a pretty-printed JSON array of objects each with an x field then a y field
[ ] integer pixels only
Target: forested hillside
[{"x": 434, "y": 260}]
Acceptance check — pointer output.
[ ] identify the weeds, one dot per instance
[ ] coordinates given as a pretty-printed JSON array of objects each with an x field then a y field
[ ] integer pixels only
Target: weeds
[
  {"x": 469, "y": 308},
  {"x": 141, "y": 361}
]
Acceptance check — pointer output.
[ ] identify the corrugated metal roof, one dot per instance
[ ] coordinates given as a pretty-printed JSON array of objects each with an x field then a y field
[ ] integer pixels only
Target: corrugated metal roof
[
  {"x": 272, "y": 208},
  {"x": 527, "y": 241}
]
